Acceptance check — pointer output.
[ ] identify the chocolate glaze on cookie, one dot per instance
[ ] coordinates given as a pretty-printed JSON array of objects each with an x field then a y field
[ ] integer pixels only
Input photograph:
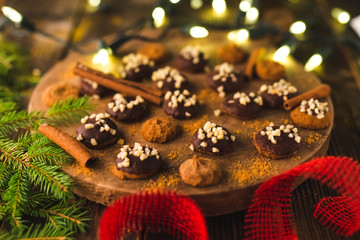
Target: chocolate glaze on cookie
[
  {"x": 97, "y": 131},
  {"x": 274, "y": 95},
  {"x": 139, "y": 160},
  {"x": 169, "y": 79},
  {"x": 126, "y": 108},
  {"x": 224, "y": 79},
  {"x": 277, "y": 141},
  {"x": 212, "y": 139},
  {"x": 242, "y": 106},
  {"x": 93, "y": 88},
  {"x": 137, "y": 67},
  {"x": 191, "y": 59},
  {"x": 180, "y": 105}
]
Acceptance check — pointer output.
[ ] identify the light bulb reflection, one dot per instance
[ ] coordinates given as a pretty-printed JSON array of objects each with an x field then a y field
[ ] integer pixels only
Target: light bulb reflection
[
  {"x": 281, "y": 53},
  {"x": 102, "y": 57}
]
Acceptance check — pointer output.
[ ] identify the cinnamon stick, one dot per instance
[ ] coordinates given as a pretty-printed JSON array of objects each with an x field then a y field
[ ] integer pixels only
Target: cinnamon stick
[
  {"x": 320, "y": 91},
  {"x": 69, "y": 144},
  {"x": 254, "y": 57},
  {"x": 117, "y": 84}
]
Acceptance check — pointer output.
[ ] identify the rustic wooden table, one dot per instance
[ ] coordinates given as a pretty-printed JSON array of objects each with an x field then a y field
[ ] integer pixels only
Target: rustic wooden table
[{"x": 68, "y": 20}]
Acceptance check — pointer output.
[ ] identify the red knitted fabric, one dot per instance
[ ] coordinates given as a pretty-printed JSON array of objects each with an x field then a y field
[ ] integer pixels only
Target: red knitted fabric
[
  {"x": 269, "y": 216},
  {"x": 157, "y": 212}
]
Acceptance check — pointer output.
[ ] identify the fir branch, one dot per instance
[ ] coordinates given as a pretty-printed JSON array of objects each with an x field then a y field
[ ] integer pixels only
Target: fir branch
[
  {"x": 15, "y": 120},
  {"x": 69, "y": 111},
  {"x": 37, "y": 232},
  {"x": 7, "y": 106}
]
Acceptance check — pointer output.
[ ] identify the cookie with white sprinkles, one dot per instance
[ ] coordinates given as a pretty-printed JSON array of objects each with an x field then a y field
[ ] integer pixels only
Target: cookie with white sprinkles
[
  {"x": 93, "y": 88},
  {"x": 312, "y": 114},
  {"x": 191, "y": 59},
  {"x": 137, "y": 67},
  {"x": 180, "y": 105},
  {"x": 97, "y": 131},
  {"x": 137, "y": 162},
  {"x": 127, "y": 108},
  {"x": 277, "y": 141},
  {"x": 274, "y": 95},
  {"x": 169, "y": 78},
  {"x": 212, "y": 139},
  {"x": 224, "y": 79},
  {"x": 242, "y": 105}
]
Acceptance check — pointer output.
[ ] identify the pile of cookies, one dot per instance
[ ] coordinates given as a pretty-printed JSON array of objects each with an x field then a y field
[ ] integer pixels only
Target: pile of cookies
[{"x": 179, "y": 102}]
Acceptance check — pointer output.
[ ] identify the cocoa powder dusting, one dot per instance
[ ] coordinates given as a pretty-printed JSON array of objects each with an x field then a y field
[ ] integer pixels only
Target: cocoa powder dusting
[
  {"x": 133, "y": 128},
  {"x": 260, "y": 168},
  {"x": 193, "y": 125},
  {"x": 312, "y": 138},
  {"x": 164, "y": 180}
]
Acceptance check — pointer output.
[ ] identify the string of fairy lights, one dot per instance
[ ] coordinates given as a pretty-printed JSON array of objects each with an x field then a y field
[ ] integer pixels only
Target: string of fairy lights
[{"x": 246, "y": 23}]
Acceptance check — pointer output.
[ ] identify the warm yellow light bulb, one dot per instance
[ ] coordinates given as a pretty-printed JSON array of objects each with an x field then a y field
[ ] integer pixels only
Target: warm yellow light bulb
[
  {"x": 251, "y": 16},
  {"x": 219, "y": 6},
  {"x": 198, "y": 32},
  {"x": 174, "y": 1},
  {"x": 238, "y": 36},
  {"x": 94, "y": 3},
  {"x": 196, "y": 4},
  {"x": 340, "y": 15},
  {"x": 12, "y": 14},
  {"x": 102, "y": 57},
  {"x": 298, "y": 27},
  {"x": 245, "y": 5},
  {"x": 313, "y": 62},
  {"x": 158, "y": 13},
  {"x": 281, "y": 53}
]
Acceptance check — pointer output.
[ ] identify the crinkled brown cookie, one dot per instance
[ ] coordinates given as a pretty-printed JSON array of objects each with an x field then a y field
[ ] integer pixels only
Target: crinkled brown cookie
[
  {"x": 58, "y": 92},
  {"x": 159, "y": 129}
]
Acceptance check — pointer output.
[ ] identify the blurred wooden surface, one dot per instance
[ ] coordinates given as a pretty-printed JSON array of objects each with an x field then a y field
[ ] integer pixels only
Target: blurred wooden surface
[{"x": 66, "y": 19}]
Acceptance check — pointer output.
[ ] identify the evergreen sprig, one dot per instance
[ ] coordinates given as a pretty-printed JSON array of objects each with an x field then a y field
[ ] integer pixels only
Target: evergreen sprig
[{"x": 31, "y": 183}]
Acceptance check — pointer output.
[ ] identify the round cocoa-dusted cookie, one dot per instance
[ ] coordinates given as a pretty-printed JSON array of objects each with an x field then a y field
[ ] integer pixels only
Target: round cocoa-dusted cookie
[
  {"x": 97, "y": 131},
  {"x": 191, "y": 59},
  {"x": 59, "y": 92},
  {"x": 169, "y": 79},
  {"x": 242, "y": 105},
  {"x": 269, "y": 70},
  {"x": 92, "y": 88},
  {"x": 137, "y": 162},
  {"x": 154, "y": 51},
  {"x": 277, "y": 141},
  {"x": 311, "y": 114},
  {"x": 224, "y": 79},
  {"x": 274, "y": 95},
  {"x": 127, "y": 108},
  {"x": 159, "y": 129},
  {"x": 212, "y": 139},
  {"x": 231, "y": 53},
  {"x": 180, "y": 105},
  {"x": 137, "y": 67},
  {"x": 200, "y": 172}
]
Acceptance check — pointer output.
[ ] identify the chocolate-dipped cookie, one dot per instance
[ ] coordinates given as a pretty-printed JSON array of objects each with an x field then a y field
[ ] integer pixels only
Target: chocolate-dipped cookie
[
  {"x": 169, "y": 79},
  {"x": 277, "y": 141},
  {"x": 312, "y": 114},
  {"x": 274, "y": 95},
  {"x": 224, "y": 79},
  {"x": 212, "y": 139},
  {"x": 137, "y": 162},
  {"x": 137, "y": 67},
  {"x": 269, "y": 70},
  {"x": 180, "y": 105},
  {"x": 191, "y": 59},
  {"x": 92, "y": 88},
  {"x": 97, "y": 131},
  {"x": 242, "y": 105},
  {"x": 127, "y": 108}
]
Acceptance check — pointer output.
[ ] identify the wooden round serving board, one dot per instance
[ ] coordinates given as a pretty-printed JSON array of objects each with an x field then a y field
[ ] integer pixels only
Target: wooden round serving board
[{"x": 243, "y": 169}]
